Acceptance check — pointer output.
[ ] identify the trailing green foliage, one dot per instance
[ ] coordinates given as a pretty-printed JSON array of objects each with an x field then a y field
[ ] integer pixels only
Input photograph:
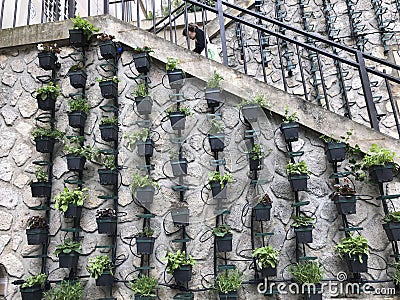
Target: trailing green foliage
[
  {"x": 396, "y": 274},
  {"x": 86, "y": 26},
  {"x": 228, "y": 281},
  {"x": 67, "y": 197},
  {"x": 176, "y": 260},
  {"x": 79, "y": 104},
  {"x": 297, "y": 168},
  {"x": 140, "y": 181},
  {"x": 68, "y": 247},
  {"x": 266, "y": 256},
  {"x": 47, "y": 132},
  {"x": 109, "y": 121},
  {"x": 343, "y": 139},
  {"x": 65, "y": 291},
  {"x": 109, "y": 162},
  {"x": 145, "y": 286},
  {"x": 256, "y": 152},
  {"x": 36, "y": 280},
  {"x": 172, "y": 64},
  {"x": 215, "y": 80},
  {"x": 392, "y": 217},
  {"x": 353, "y": 245},
  {"x": 97, "y": 265},
  {"x": 222, "y": 179},
  {"x": 141, "y": 90},
  {"x": 51, "y": 90},
  {"x": 302, "y": 221},
  {"x": 377, "y": 156},
  {"x": 132, "y": 138},
  {"x": 83, "y": 151},
  {"x": 308, "y": 272},
  {"x": 183, "y": 109},
  {"x": 256, "y": 100},
  {"x": 221, "y": 230},
  {"x": 289, "y": 118},
  {"x": 41, "y": 176}
]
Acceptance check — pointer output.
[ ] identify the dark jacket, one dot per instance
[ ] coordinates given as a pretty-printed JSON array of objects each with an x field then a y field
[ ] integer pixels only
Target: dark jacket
[{"x": 200, "y": 41}]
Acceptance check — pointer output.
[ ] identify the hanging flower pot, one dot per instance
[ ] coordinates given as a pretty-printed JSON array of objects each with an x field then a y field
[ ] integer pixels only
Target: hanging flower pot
[
  {"x": 217, "y": 191},
  {"x": 381, "y": 173},
  {"x": 109, "y": 89},
  {"x": 336, "y": 152},
  {"x": 175, "y": 78},
  {"x": 68, "y": 260},
  {"x": 392, "y": 230},
  {"x": 32, "y": 293},
  {"x": 107, "y": 225},
  {"x": 73, "y": 211},
  {"x": 144, "y": 105},
  {"x": 216, "y": 142},
  {"x": 49, "y": 103},
  {"x": 304, "y": 234},
  {"x": 355, "y": 265},
  {"x": 108, "y": 49},
  {"x": 37, "y": 236},
  {"x": 145, "y": 244},
  {"x": 250, "y": 112},
  {"x": 269, "y": 271},
  {"x": 41, "y": 189},
  {"x": 77, "y": 38},
  {"x": 183, "y": 273},
  {"x": 177, "y": 120},
  {"x": 75, "y": 163},
  {"x": 228, "y": 296},
  {"x": 142, "y": 62},
  {"x": 298, "y": 182},
  {"x": 145, "y": 195},
  {"x": 109, "y": 133},
  {"x": 262, "y": 212},
  {"x": 213, "y": 97},
  {"x": 105, "y": 279},
  {"x": 77, "y": 119},
  {"x": 180, "y": 216},
  {"x": 290, "y": 131},
  {"x": 47, "y": 60},
  {"x": 346, "y": 205},
  {"x": 179, "y": 167},
  {"x": 44, "y": 144},
  {"x": 108, "y": 177},
  {"x": 77, "y": 78},
  {"x": 224, "y": 244},
  {"x": 145, "y": 148}
]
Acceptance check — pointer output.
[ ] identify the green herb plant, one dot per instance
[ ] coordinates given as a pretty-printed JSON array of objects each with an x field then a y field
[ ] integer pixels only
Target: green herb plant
[
  {"x": 65, "y": 290},
  {"x": 221, "y": 230},
  {"x": 86, "y": 26},
  {"x": 297, "y": 168},
  {"x": 228, "y": 281},
  {"x": 51, "y": 90},
  {"x": 35, "y": 281},
  {"x": 141, "y": 90},
  {"x": 79, "y": 104},
  {"x": 222, "y": 179},
  {"x": 266, "y": 257},
  {"x": 309, "y": 272},
  {"x": 146, "y": 232},
  {"x": 140, "y": 181},
  {"x": 215, "y": 80},
  {"x": 289, "y": 118},
  {"x": 256, "y": 100},
  {"x": 109, "y": 162},
  {"x": 256, "y": 152},
  {"x": 377, "y": 156},
  {"x": 183, "y": 109},
  {"x": 40, "y": 174},
  {"x": 353, "y": 245},
  {"x": 392, "y": 217},
  {"x": 67, "y": 197},
  {"x": 396, "y": 274},
  {"x": 132, "y": 138},
  {"x": 144, "y": 286},
  {"x": 76, "y": 67},
  {"x": 216, "y": 126},
  {"x": 97, "y": 265},
  {"x": 176, "y": 260},
  {"x": 144, "y": 49},
  {"x": 47, "y": 132},
  {"x": 172, "y": 64},
  {"x": 302, "y": 221},
  {"x": 68, "y": 247},
  {"x": 109, "y": 121}
]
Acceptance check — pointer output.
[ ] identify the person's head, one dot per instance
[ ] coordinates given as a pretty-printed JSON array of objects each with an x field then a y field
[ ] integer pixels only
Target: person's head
[{"x": 191, "y": 31}]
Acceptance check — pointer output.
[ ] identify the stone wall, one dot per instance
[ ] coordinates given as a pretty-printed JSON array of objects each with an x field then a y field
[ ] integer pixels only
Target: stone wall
[{"x": 19, "y": 68}]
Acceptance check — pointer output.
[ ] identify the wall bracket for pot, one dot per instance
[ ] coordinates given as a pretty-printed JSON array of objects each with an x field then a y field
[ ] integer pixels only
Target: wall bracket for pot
[
  {"x": 109, "y": 108},
  {"x": 180, "y": 188},
  {"x": 339, "y": 175},
  {"x": 251, "y": 133},
  {"x": 217, "y": 162},
  {"x": 350, "y": 229},
  {"x": 295, "y": 153},
  {"x": 301, "y": 203},
  {"x": 71, "y": 229},
  {"x": 258, "y": 181},
  {"x": 146, "y": 216},
  {"x": 108, "y": 197},
  {"x": 181, "y": 240},
  {"x": 307, "y": 258}
]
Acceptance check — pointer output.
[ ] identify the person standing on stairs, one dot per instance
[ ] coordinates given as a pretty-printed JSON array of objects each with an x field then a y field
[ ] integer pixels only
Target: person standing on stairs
[{"x": 196, "y": 34}]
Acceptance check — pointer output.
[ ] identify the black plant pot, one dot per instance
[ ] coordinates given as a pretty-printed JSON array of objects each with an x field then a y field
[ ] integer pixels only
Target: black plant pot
[
  {"x": 392, "y": 230},
  {"x": 77, "y": 78},
  {"x": 47, "y": 104},
  {"x": 142, "y": 62},
  {"x": 177, "y": 120},
  {"x": 107, "y": 225},
  {"x": 37, "y": 236},
  {"x": 228, "y": 296},
  {"x": 41, "y": 189},
  {"x": 77, "y": 119},
  {"x": 313, "y": 292},
  {"x": 44, "y": 144},
  {"x": 224, "y": 244},
  {"x": 77, "y": 38},
  {"x": 109, "y": 133},
  {"x": 108, "y": 177},
  {"x": 175, "y": 78},
  {"x": 143, "y": 105},
  {"x": 75, "y": 163},
  {"x": 183, "y": 273},
  {"x": 216, "y": 190},
  {"x": 346, "y": 205},
  {"x": 298, "y": 182},
  {"x": 381, "y": 173},
  {"x": 213, "y": 97},
  {"x": 336, "y": 152},
  {"x": 68, "y": 260},
  {"x": 32, "y": 293},
  {"x": 47, "y": 60},
  {"x": 108, "y": 49},
  {"x": 109, "y": 89},
  {"x": 262, "y": 212},
  {"x": 290, "y": 131},
  {"x": 140, "y": 297},
  {"x": 145, "y": 195},
  {"x": 216, "y": 142},
  {"x": 144, "y": 244},
  {"x": 145, "y": 148},
  {"x": 356, "y": 266},
  {"x": 255, "y": 164},
  {"x": 105, "y": 279},
  {"x": 73, "y": 211},
  {"x": 250, "y": 112},
  {"x": 179, "y": 167},
  {"x": 269, "y": 271},
  {"x": 304, "y": 234},
  {"x": 180, "y": 216}
]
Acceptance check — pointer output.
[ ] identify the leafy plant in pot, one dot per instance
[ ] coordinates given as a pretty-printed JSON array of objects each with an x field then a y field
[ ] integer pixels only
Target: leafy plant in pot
[
  {"x": 145, "y": 241},
  {"x": 33, "y": 287},
  {"x": 345, "y": 199},
  {"x": 144, "y": 188},
  {"x": 309, "y": 274},
  {"x": 45, "y": 138},
  {"x": 336, "y": 149},
  {"x": 392, "y": 225},
  {"x": 303, "y": 226},
  {"x": 37, "y": 230},
  {"x": 298, "y": 175},
  {"x": 65, "y": 290},
  {"x": 174, "y": 73},
  {"x": 218, "y": 183},
  {"x": 107, "y": 46},
  {"x": 78, "y": 154},
  {"x": 68, "y": 253},
  {"x": 143, "y": 287},
  {"x": 355, "y": 250},
  {"x": 101, "y": 269},
  {"x": 179, "y": 265},
  {"x": 178, "y": 116},
  {"x": 178, "y": 164},
  {"x": 81, "y": 33},
  {"x": 77, "y": 76},
  {"x": 78, "y": 109},
  {"x": 227, "y": 284},
  {"x": 143, "y": 141},
  {"x": 109, "y": 129},
  {"x": 41, "y": 187},
  {"x": 256, "y": 156},
  {"x": 108, "y": 87},
  {"x": 267, "y": 260},
  {"x": 142, "y": 58},
  {"x": 213, "y": 90},
  {"x": 290, "y": 127},
  {"x": 106, "y": 219},
  {"x": 109, "y": 174},
  {"x": 216, "y": 136},
  {"x": 71, "y": 201},
  {"x": 46, "y": 96},
  {"x": 223, "y": 237},
  {"x": 47, "y": 55},
  {"x": 251, "y": 107},
  {"x": 396, "y": 274},
  {"x": 262, "y": 211},
  {"x": 143, "y": 101}
]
